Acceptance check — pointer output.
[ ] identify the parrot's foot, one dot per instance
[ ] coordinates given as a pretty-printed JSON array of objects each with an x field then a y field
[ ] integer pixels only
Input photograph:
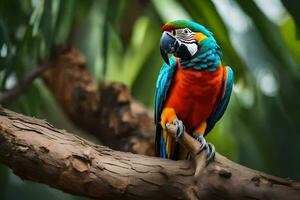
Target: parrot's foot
[
  {"x": 179, "y": 128},
  {"x": 210, "y": 148}
]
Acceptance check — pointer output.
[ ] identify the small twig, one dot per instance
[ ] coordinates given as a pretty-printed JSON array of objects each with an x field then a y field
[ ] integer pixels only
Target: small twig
[
  {"x": 192, "y": 145},
  {"x": 8, "y": 96}
]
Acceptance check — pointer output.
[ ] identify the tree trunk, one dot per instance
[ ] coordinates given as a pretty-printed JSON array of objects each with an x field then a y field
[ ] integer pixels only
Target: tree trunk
[
  {"x": 37, "y": 151},
  {"x": 107, "y": 111}
]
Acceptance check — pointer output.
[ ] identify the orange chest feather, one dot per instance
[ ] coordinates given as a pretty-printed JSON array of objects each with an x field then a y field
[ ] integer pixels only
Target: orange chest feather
[{"x": 193, "y": 94}]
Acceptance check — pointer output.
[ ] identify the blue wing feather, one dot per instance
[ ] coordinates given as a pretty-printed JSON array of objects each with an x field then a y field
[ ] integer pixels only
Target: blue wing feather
[
  {"x": 162, "y": 85},
  {"x": 223, "y": 102}
]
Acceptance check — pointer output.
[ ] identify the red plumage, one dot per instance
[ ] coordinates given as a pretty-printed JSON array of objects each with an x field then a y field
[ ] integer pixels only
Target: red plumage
[
  {"x": 167, "y": 28},
  {"x": 194, "y": 94}
]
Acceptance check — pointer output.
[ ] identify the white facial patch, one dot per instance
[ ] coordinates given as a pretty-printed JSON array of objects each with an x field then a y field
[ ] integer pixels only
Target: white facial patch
[
  {"x": 193, "y": 48},
  {"x": 186, "y": 36}
]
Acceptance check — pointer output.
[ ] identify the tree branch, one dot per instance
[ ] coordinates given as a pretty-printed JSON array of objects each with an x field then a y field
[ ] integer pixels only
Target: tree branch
[
  {"x": 107, "y": 111},
  {"x": 36, "y": 151},
  {"x": 8, "y": 96}
]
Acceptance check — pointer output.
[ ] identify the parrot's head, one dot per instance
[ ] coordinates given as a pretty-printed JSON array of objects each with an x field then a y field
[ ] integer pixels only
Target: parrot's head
[{"x": 184, "y": 39}]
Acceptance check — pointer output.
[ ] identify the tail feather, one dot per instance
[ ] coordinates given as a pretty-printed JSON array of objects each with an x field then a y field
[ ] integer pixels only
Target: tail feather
[
  {"x": 167, "y": 147},
  {"x": 163, "y": 153}
]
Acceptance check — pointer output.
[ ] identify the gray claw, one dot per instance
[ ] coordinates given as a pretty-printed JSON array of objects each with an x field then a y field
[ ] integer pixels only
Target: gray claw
[
  {"x": 202, "y": 141},
  {"x": 211, "y": 151},
  {"x": 210, "y": 148},
  {"x": 179, "y": 128}
]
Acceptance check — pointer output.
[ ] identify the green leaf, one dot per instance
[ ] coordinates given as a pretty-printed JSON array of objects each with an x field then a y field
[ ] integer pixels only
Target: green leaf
[
  {"x": 288, "y": 31},
  {"x": 46, "y": 29},
  {"x": 272, "y": 37},
  {"x": 112, "y": 8},
  {"x": 37, "y": 15},
  {"x": 138, "y": 52},
  {"x": 293, "y": 7},
  {"x": 64, "y": 21},
  {"x": 90, "y": 36}
]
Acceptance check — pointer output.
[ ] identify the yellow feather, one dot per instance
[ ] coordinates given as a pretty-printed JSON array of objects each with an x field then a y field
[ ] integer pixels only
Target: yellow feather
[{"x": 199, "y": 37}]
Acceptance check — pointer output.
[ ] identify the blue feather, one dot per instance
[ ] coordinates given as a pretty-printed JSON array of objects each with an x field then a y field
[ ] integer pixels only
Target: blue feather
[
  {"x": 223, "y": 102},
  {"x": 162, "y": 85},
  {"x": 208, "y": 58}
]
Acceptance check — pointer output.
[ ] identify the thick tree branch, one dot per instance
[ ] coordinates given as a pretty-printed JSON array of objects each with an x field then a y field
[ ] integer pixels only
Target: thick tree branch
[
  {"x": 107, "y": 111},
  {"x": 36, "y": 151},
  {"x": 8, "y": 96}
]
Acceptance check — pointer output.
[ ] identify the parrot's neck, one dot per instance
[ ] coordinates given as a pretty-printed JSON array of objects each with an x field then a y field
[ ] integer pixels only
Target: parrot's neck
[{"x": 208, "y": 57}]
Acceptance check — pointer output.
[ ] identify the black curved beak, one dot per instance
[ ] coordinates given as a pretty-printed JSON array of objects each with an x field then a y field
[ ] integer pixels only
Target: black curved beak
[{"x": 168, "y": 44}]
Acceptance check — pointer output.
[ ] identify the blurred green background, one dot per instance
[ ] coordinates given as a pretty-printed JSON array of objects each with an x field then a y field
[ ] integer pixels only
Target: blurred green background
[{"x": 120, "y": 38}]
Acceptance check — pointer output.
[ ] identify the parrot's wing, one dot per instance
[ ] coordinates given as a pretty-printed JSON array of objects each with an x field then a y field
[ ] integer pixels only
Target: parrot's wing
[
  {"x": 223, "y": 101},
  {"x": 162, "y": 85}
]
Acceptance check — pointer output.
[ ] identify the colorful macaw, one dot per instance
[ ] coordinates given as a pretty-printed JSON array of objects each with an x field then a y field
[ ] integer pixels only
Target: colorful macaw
[{"x": 193, "y": 88}]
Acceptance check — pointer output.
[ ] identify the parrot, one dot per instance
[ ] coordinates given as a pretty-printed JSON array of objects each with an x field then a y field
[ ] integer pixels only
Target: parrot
[{"x": 193, "y": 88}]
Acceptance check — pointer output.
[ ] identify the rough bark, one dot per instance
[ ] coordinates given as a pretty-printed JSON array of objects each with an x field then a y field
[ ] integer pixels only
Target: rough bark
[
  {"x": 36, "y": 151},
  {"x": 107, "y": 111}
]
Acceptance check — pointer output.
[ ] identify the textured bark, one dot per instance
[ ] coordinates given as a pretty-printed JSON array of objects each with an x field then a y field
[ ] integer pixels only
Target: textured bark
[
  {"x": 107, "y": 111},
  {"x": 36, "y": 151}
]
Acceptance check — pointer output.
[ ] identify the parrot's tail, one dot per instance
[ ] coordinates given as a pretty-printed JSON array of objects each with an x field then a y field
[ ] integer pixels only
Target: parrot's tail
[{"x": 167, "y": 147}]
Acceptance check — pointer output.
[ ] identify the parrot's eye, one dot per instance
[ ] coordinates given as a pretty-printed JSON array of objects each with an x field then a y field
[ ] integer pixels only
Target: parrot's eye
[{"x": 186, "y": 31}]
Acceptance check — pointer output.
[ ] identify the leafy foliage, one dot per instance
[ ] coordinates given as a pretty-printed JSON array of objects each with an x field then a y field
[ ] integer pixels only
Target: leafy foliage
[{"x": 120, "y": 42}]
